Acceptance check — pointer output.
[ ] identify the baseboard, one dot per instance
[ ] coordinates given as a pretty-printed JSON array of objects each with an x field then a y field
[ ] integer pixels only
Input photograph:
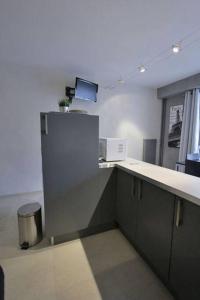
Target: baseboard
[{"x": 84, "y": 233}]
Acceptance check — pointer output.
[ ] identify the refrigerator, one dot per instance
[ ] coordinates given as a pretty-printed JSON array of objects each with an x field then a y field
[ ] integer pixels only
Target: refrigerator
[{"x": 76, "y": 191}]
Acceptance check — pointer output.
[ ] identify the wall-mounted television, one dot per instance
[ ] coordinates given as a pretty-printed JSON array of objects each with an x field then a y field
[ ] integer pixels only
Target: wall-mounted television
[{"x": 86, "y": 90}]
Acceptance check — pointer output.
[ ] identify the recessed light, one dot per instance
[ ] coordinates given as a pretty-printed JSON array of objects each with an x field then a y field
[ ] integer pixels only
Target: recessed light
[
  {"x": 142, "y": 69},
  {"x": 176, "y": 48}
]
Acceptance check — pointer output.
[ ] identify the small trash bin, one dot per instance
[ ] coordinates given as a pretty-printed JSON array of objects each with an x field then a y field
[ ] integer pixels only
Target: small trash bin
[{"x": 30, "y": 225}]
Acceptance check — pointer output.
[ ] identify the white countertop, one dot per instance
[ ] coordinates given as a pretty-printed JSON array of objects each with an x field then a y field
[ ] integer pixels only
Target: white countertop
[{"x": 180, "y": 184}]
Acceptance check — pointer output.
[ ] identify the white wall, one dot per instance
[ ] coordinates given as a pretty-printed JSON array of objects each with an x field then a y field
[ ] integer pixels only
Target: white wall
[{"x": 131, "y": 112}]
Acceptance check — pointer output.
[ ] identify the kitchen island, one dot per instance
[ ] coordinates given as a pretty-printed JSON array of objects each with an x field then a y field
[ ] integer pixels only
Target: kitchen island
[{"x": 158, "y": 210}]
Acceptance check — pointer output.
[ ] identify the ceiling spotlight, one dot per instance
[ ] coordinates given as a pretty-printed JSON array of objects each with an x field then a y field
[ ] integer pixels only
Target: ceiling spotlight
[
  {"x": 120, "y": 81},
  {"x": 176, "y": 48},
  {"x": 142, "y": 69}
]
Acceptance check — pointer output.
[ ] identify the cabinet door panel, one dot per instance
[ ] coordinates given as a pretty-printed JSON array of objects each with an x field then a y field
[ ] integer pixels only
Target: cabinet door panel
[
  {"x": 185, "y": 262},
  {"x": 154, "y": 227},
  {"x": 126, "y": 204}
]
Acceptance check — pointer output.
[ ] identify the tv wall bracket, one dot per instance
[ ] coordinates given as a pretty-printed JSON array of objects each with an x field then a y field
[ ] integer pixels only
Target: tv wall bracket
[{"x": 70, "y": 92}]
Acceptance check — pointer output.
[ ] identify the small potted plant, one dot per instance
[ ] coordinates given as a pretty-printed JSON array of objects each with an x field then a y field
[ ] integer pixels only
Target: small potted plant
[{"x": 64, "y": 105}]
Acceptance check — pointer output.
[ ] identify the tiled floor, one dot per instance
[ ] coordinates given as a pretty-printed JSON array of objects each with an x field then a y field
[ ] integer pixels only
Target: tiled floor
[{"x": 100, "y": 267}]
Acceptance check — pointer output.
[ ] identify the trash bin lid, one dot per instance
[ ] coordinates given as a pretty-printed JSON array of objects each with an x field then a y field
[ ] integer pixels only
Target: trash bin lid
[{"x": 29, "y": 209}]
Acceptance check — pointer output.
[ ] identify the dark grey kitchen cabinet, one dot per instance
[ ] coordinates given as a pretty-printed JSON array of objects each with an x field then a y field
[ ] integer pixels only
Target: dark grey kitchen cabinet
[
  {"x": 185, "y": 260},
  {"x": 155, "y": 226},
  {"x": 126, "y": 204}
]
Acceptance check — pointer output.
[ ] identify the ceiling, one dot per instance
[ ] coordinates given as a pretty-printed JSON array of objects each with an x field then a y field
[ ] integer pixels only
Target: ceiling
[{"x": 102, "y": 40}]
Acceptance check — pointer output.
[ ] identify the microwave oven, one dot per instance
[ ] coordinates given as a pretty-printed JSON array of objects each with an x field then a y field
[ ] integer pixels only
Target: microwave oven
[{"x": 113, "y": 149}]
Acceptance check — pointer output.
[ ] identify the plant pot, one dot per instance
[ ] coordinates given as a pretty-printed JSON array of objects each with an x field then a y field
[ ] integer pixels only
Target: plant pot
[{"x": 64, "y": 108}]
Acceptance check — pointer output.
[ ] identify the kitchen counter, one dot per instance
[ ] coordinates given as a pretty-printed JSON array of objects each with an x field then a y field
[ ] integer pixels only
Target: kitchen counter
[
  {"x": 180, "y": 184},
  {"x": 164, "y": 229}
]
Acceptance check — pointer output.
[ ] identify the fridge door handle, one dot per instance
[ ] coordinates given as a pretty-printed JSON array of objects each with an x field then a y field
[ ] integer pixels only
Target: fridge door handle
[{"x": 44, "y": 123}]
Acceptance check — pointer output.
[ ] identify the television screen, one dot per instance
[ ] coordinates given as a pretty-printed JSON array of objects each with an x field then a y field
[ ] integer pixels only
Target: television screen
[{"x": 86, "y": 90}]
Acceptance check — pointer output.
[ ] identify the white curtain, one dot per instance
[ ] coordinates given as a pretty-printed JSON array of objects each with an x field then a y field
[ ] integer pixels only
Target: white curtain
[{"x": 191, "y": 125}]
